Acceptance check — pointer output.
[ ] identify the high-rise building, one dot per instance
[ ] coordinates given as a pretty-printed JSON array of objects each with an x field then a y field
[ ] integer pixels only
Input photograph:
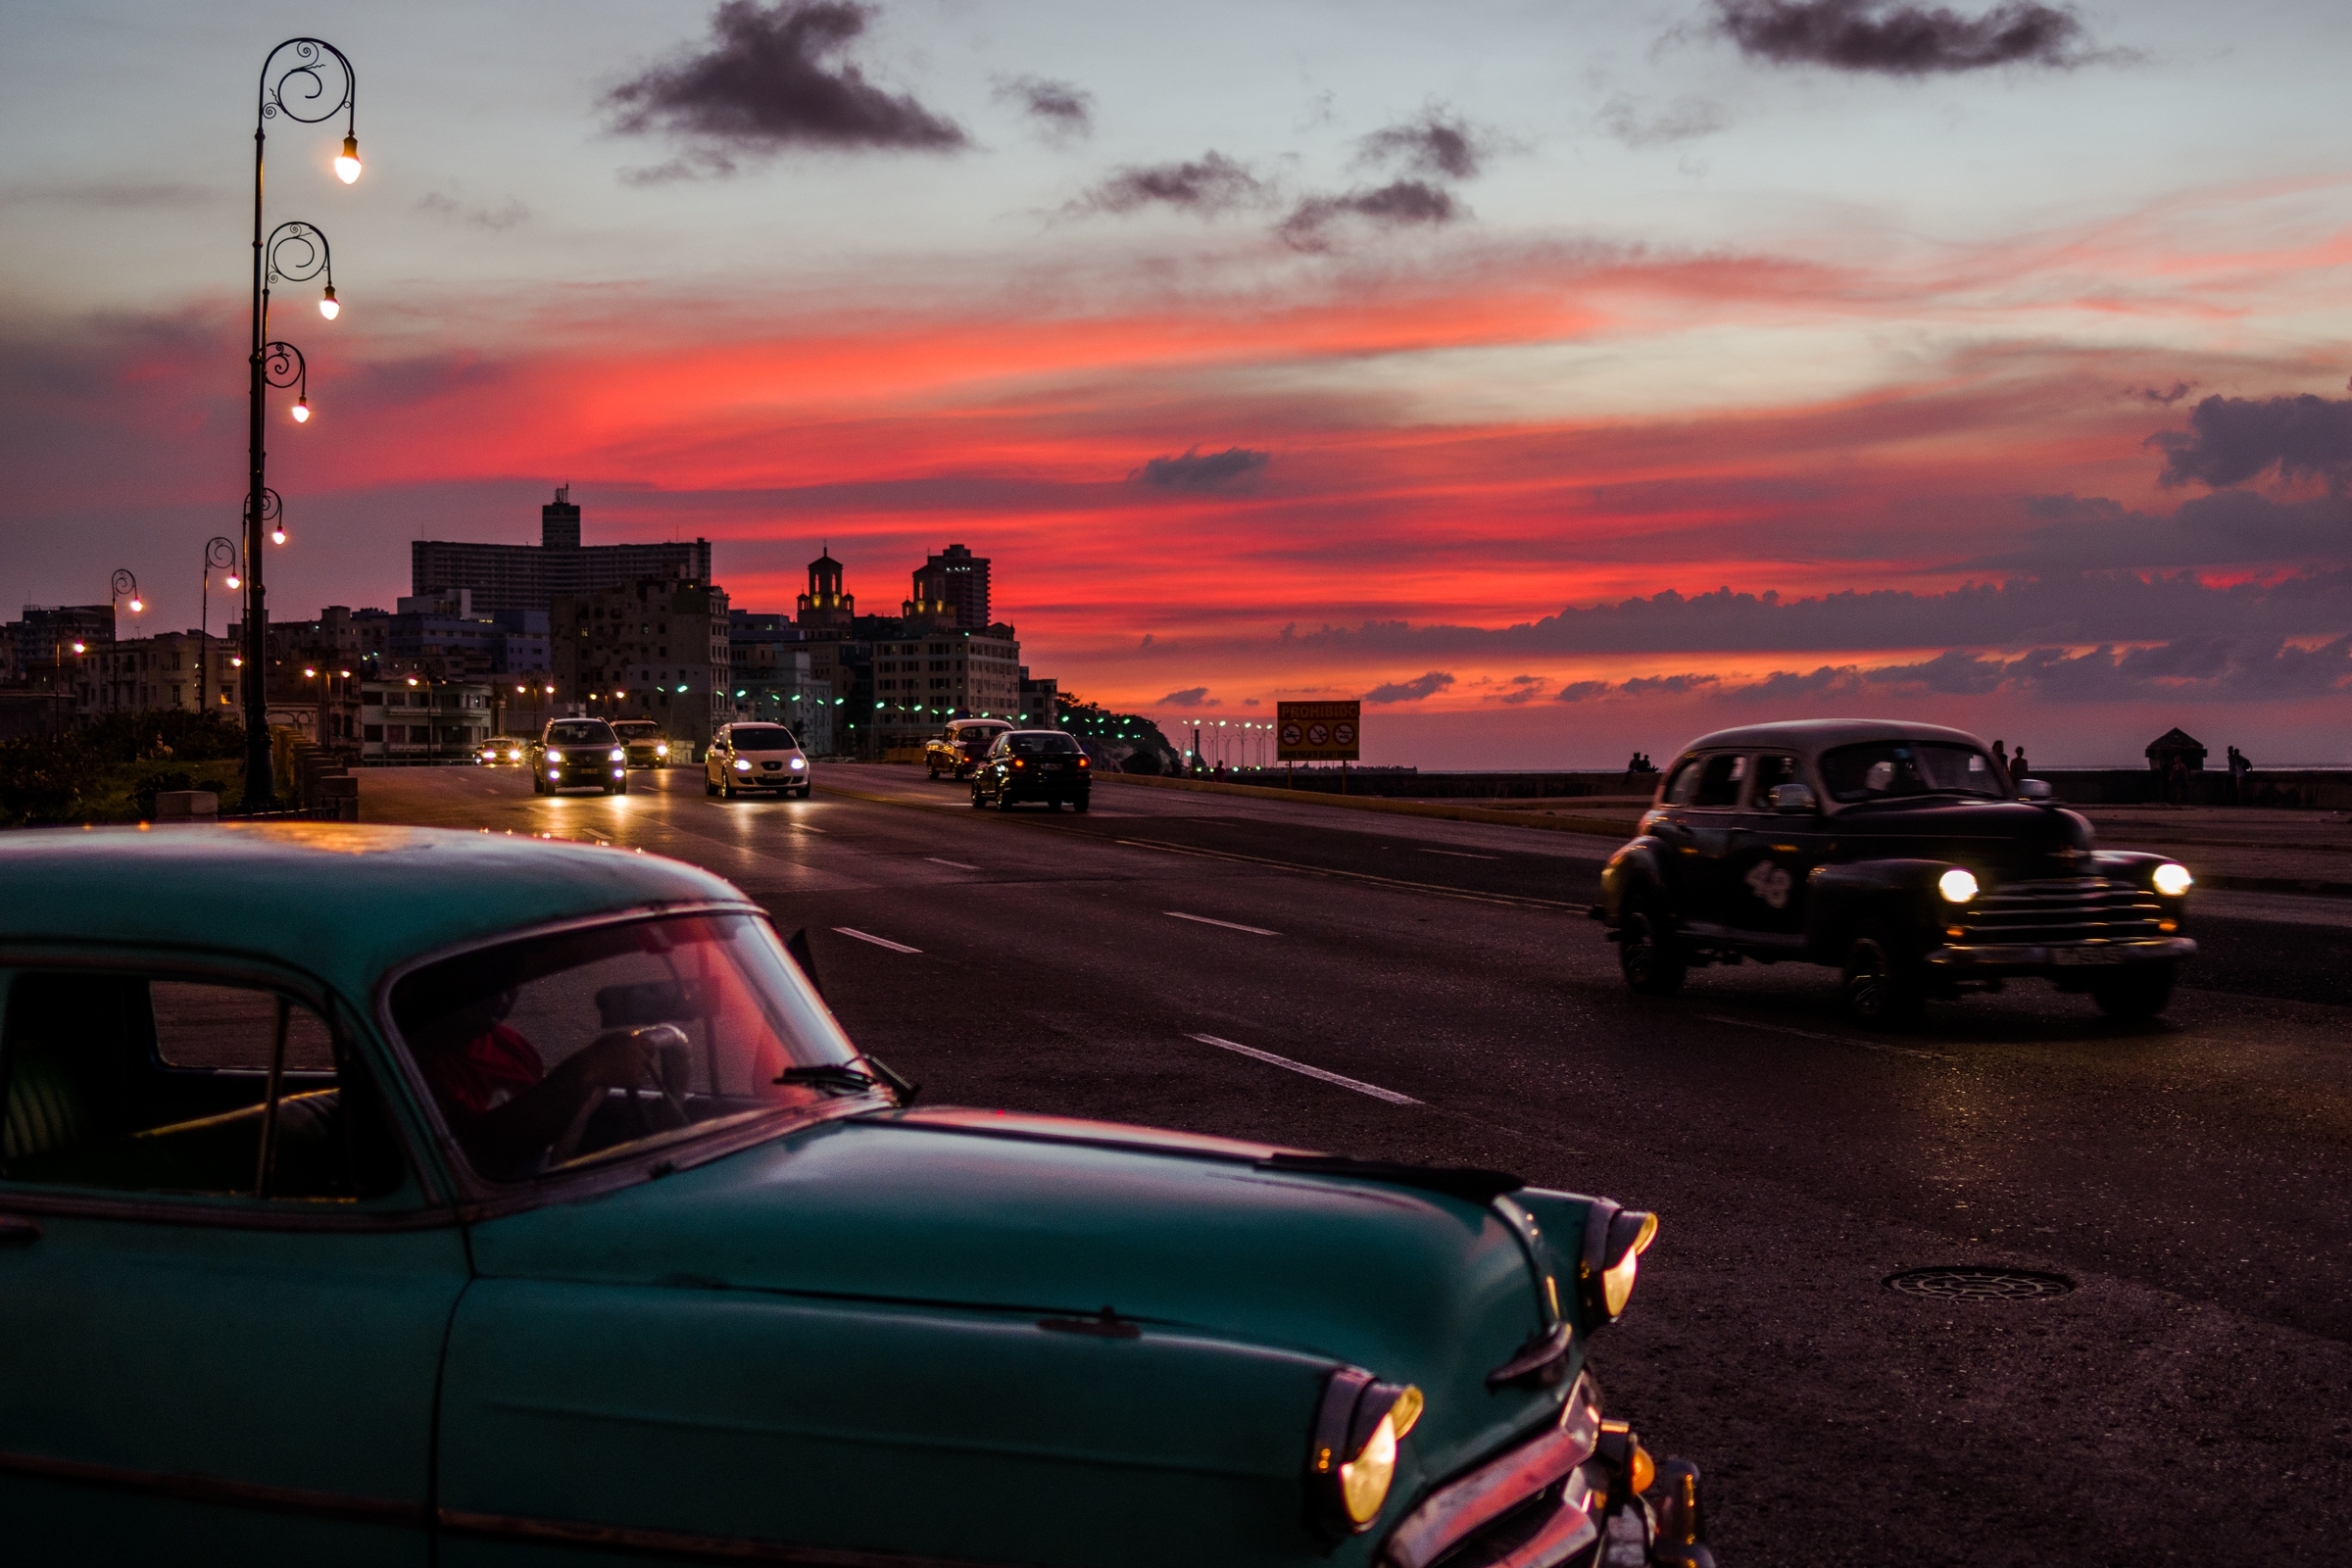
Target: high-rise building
[
  {"x": 951, "y": 590},
  {"x": 503, "y": 578},
  {"x": 652, "y": 649}
]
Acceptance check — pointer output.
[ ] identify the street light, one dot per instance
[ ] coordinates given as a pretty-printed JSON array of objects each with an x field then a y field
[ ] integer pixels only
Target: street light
[
  {"x": 294, "y": 84},
  {"x": 219, "y": 554},
  {"x": 126, "y": 586}
]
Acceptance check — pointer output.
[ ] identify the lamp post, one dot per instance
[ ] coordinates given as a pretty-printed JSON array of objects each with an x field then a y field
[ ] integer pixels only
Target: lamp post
[
  {"x": 299, "y": 90},
  {"x": 219, "y": 554}
]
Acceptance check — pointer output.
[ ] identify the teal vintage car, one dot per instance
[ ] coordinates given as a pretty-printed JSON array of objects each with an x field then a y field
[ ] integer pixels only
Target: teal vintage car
[{"x": 383, "y": 1196}]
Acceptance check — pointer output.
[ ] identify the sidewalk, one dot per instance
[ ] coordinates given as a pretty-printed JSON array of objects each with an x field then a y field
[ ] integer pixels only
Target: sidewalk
[{"x": 2250, "y": 850}]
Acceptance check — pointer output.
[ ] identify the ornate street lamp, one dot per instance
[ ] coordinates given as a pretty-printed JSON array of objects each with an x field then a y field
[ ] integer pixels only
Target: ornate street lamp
[
  {"x": 219, "y": 554},
  {"x": 126, "y": 586},
  {"x": 306, "y": 80}
]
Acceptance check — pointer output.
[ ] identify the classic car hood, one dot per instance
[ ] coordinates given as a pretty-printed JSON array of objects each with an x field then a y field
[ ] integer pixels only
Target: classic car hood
[
  {"x": 1045, "y": 1217},
  {"x": 2006, "y": 836}
]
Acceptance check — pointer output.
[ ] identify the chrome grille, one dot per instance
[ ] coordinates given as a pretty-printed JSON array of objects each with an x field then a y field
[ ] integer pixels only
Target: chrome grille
[{"x": 2067, "y": 911}]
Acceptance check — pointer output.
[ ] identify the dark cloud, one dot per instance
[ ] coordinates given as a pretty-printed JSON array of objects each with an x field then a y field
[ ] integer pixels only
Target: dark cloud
[
  {"x": 1411, "y": 691},
  {"x": 1209, "y": 185},
  {"x": 2077, "y": 533},
  {"x": 2180, "y": 389},
  {"x": 1062, "y": 109},
  {"x": 1901, "y": 40},
  {"x": 2230, "y": 440},
  {"x": 767, "y": 83},
  {"x": 1439, "y": 143},
  {"x": 1399, "y": 202},
  {"x": 1196, "y": 470},
  {"x": 2081, "y": 608},
  {"x": 1682, "y": 120},
  {"x": 1189, "y": 697},
  {"x": 1524, "y": 689}
]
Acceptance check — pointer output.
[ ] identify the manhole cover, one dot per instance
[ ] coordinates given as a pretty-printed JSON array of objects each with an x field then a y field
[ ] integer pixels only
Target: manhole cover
[{"x": 1980, "y": 1284}]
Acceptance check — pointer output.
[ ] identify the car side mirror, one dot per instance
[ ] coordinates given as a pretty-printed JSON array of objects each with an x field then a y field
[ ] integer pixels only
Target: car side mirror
[
  {"x": 2034, "y": 789},
  {"x": 1790, "y": 800}
]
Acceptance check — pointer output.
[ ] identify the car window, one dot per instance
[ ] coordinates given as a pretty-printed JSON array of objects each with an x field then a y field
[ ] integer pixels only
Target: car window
[
  {"x": 567, "y": 1048},
  {"x": 1719, "y": 779},
  {"x": 580, "y": 732},
  {"x": 134, "y": 1083},
  {"x": 1683, "y": 784},
  {"x": 1879, "y": 769},
  {"x": 761, "y": 738},
  {"x": 637, "y": 729},
  {"x": 1040, "y": 743},
  {"x": 1771, "y": 771}
]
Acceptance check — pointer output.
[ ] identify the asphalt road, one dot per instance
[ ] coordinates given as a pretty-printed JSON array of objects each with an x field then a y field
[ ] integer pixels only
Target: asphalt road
[{"x": 2190, "y": 1400}]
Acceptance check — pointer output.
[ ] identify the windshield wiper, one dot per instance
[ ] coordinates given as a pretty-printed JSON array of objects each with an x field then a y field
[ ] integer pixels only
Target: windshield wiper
[{"x": 851, "y": 1080}]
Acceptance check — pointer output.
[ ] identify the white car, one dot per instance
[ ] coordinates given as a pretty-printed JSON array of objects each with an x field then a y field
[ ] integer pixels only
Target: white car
[{"x": 747, "y": 759}]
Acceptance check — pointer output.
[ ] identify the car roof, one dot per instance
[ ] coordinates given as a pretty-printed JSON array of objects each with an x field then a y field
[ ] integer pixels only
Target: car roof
[
  {"x": 979, "y": 723},
  {"x": 1816, "y": 735},
  {"x": 343, "y": 901}
]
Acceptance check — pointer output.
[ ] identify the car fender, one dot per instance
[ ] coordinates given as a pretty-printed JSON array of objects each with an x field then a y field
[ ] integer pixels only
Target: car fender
[
  {"x": 1897, "y": 893},
  {"x": 1634, "y": 872}
]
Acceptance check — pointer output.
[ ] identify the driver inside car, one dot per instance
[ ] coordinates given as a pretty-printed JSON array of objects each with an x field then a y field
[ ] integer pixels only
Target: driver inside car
[{"x": 506, "y": 1109}]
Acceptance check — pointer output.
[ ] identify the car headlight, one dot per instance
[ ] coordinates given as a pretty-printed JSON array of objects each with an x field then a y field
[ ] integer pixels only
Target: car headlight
[
  {"x": 618, "y": 756},
  {"x": 554, "y": 757},
  {"x": 514, "y": 756},
  {"x": 1614, "y": 1240},
  {"x": 2172, "y": 880},
  {"x": 742, "y": 764},
  {"x": 662, "y": 750},
  {"x": 1353, "y": 1461},
  {"x": 1957, "y": 885},
  {"x": 800, "y": 761}
]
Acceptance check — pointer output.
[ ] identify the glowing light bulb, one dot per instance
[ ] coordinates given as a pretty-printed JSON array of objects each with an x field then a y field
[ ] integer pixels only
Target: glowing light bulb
[
  {"x": 302, "y": 411},
  {"x": 327, "y": 307},
  {"x": 347, "y": 162},
  {"x": 137, "y": 604},
  {"x": 233, "y": 580},
  {"x": 277, "y": 535}
]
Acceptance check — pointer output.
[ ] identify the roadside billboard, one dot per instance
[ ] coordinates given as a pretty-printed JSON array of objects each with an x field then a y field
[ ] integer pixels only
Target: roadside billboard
[{"x": 1317, "y": 732}]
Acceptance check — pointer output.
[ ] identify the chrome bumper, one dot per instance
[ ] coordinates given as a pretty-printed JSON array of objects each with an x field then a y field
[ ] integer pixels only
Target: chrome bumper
[
  {"x": 2034, "y": 958},
  {"x": 1555, "y": 1501}
]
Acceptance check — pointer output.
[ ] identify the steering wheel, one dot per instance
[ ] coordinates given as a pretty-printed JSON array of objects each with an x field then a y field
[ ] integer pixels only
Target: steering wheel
[{"x": 671, "y": 1042}]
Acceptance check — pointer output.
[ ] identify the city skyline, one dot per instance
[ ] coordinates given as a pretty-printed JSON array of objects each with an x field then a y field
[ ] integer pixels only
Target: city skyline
[{"x": 1397, "y": 361}]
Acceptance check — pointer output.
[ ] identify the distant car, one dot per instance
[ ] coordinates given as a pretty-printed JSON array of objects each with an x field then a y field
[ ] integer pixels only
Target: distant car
[
  {"x": 504, "y": 751},
  {"x": 568, "y": 1226},
  {"x": 751, "y": 758},
  {"x": 1034, "y": 765},
  {"x": 1903, "y": 854},
  {"x": 956, "y": 750},
  {"x": 642, "y": 739},
  {"x": 578, "y": 754}
]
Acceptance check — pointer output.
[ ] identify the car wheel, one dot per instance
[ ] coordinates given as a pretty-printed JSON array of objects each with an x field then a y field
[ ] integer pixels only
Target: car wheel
[
  {"x": 978, "y": 800},
  {"x": 1004, "y": 800},
  {"x": 538, "y": 784},
  {"x": 1646, "y": 953},
  {"x": 708, "y": 788},
  {"x": 931, "y": 773},
  {"x": 1881, "y": 990},
  {"x": 726, "y": 787},
  {"x": 1078, "y": 803},
  {"x": 2139, "y": 992},
  {"x": 806, "y": 790}
]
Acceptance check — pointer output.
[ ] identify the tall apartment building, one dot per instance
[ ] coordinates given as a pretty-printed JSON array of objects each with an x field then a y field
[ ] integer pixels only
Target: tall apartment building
[
  {"x": 951, "y": 590},
  {"x": 657, "y": 648},
  {"x": 511, "y": 577}
]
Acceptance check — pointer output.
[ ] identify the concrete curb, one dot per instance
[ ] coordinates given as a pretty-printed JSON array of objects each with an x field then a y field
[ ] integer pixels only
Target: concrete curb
[
  {"x": 1597, "y": 826},
  {"x": 1601, "y": 827}
]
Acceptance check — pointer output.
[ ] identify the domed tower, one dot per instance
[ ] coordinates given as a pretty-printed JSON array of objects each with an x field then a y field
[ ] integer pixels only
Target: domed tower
[{"x": 824, "y": 604}]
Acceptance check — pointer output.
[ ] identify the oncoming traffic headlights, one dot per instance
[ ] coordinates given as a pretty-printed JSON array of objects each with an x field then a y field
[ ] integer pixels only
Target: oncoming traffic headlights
[
  {"x": 662, "y": 750},
  {"x": 742, "y": 765},
  {"x": 799, "y": 762},
  {"x": 1614, "y": 1240},
  {"x": 2171, "y": 879},
  {"x": 1957, "y": 885},
  {"x": 618, "y": 756},
  {"x": 1353, "y": 1460},
  {"x": 554, "y": 757}
]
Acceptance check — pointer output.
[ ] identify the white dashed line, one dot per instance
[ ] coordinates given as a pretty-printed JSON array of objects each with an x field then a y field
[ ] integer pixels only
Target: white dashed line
[
  {"x": 957, "y": 865},
  {"x": 1357, "y": 1084},
  {"x": 879, "y": 942},
  {"x": 1458, "y": 853},
  {"x": 1254, "y": 930},
  {"x": 1835, "y": 1039}
]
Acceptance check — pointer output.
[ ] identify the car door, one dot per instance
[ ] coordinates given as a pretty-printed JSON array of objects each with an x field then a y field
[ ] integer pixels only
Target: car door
[
  {"x": 1771, "y": 856},
  {"x": 204, "y": 1363},
  {"x": 1698, "y": 829}
]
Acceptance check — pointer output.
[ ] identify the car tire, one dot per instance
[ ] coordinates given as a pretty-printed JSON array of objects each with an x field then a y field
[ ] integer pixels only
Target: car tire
[
  {"x": 726, "y": 787},
  {"x": 1077, "y": 803},
  {"x": 1004, "y": 800},
  {"x": 978, "y": 800},
  {"x": 708, "y": 788},
  {"x": 1880, "y": 986},
  {"x": 2138, "y": 992},
  {"x": 1646, "y": 953},
  {"x": 538, "y": 784}
]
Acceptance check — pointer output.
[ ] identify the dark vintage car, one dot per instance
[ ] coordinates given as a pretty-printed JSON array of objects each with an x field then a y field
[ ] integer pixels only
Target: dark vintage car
[
  {"x": 578, "y": 754},
  {"x": 1034, "y": 765},
  {"x": 643, "y": 742},
  {"x": 1902, "y": 854},
  {"x": 958, "y": 750},
  {"x": 389, "y": 1196}
]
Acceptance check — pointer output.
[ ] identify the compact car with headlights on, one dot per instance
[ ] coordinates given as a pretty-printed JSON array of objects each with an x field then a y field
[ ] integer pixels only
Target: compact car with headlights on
[
  {"x": 576, "y": 754},
  {"x": 1902, "y": 854},
  {"x": 752, "y": 758},
  {"x": 503, "y": 751},
  {"x": 1034, "y": 765},
  {"x": 643, "y": 741},
  {"x": 523, "y": 1204}
]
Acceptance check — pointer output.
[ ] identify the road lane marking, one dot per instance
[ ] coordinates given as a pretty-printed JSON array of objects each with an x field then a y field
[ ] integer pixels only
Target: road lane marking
[
  {"x": 957, "y": 865},
  {"x": 1357, "y": 1084},
  {"x": 1835, "y": 1039},
  {"x": 879, "y": 942},
  {"x": 1457, "y": 853},
  {"x": 1254, "y": 930}
]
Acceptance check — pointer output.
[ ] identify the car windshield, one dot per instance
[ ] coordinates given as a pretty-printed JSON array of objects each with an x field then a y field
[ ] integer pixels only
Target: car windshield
[
  {"x": 1040, "y": 745},
  {"x": 579, "y": 1046},
  {"x": 636, "y": 730},
  {"x": 1883, "y": 768},
  {"x": 761, "y": 738},
  {"x": 580, "y": 732}
]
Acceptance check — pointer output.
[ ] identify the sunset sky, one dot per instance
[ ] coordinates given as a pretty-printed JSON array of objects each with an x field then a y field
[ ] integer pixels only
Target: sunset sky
[{"x": 1561, "y": 379}]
